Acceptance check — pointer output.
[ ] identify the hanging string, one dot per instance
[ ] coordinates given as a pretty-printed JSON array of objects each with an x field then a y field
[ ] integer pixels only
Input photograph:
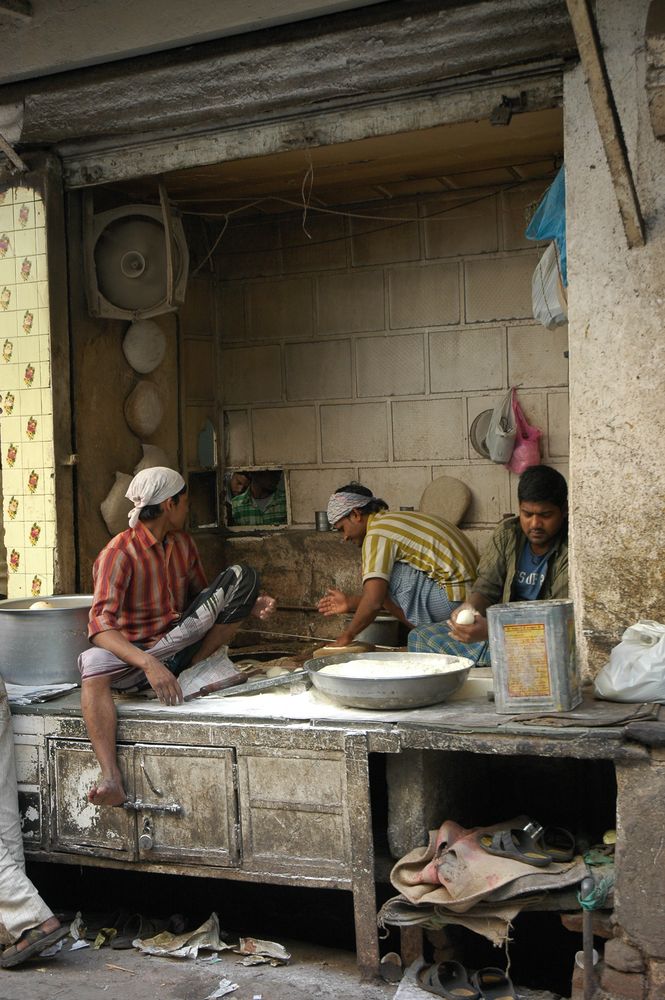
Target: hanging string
[
  {"x": 307, "y": 206},
  {"x": 306, "y": 192}
]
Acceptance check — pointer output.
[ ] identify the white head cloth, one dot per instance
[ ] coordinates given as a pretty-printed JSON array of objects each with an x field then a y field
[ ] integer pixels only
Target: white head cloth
[
  {"x": 152, "y": 486},
  {"x": 341, "y": 504}
]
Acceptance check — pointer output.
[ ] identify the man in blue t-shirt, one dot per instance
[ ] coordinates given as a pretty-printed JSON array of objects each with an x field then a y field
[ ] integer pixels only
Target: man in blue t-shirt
[{"x": 526, "y": 560}]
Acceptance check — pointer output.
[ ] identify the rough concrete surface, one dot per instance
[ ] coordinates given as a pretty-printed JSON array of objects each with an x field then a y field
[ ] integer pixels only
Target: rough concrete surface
[{"x": 115, "y": 975}]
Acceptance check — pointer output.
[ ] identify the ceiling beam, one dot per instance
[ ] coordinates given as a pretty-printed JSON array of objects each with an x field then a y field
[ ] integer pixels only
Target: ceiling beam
[
  {"x": 607, "y": 118},
  {"x": 17, "y": 8}
]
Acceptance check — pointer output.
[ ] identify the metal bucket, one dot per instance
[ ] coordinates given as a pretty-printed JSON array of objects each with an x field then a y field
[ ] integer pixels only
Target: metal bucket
[
  {"x": 321, "y": 520},
  {"x": 42, "y": 647},
  {"x": 534, "y": 666},
  {"x": 383, "y": 631}
]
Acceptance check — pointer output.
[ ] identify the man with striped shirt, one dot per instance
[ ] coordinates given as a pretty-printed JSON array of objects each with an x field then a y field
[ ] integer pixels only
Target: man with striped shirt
[
  {"x": 153, "y": 614},
  {"x": 416, "y": 566}
]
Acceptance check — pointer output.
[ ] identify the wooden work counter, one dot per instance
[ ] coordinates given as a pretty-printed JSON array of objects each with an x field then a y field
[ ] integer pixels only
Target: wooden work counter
[{"x": 270, "y": 788}]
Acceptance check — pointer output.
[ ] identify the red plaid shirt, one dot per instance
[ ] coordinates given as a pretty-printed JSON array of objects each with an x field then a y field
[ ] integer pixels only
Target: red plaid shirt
[{"x": 141, "y": 587}]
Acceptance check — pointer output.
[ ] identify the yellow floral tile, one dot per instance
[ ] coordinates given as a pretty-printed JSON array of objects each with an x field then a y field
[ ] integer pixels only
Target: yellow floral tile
[
  {"x": 7, "y": 324},
  {"x": 24, "y": 213},
  {"x": 47, "y": 401},
  {"x": 34, "y": 480},
  {"x": 44, "y": 321},
  {"x": 32, "y": 455},
  {"x": 36, "y": 561},
  {"x": 17, "y": 586},
  {"x": 8, "y": 297},
  {"x": 49, "y": 507},
  {"x": 27, "y": 349},
  {"x": 11, "y": 459},
  {"x": 6, "y": 196},
  {"x": 7, "y": 219},
  {"x": 32, "y": 427},
  {"x": 12, "y": 479},
  {"x": 25, "y": 268},
  {"x": 26, "y": 296},
  {"x": 40, "y": 215},
  {"x": 14, "y": 533},
  {"x": 41, "y": 268},
  {"x": 42, "y": 288},
  {"x": 23, "y": 193},
  {"x": 25, "y": 242},
  {"x": 34, "y": 508},
  {"x": 10, "y": 384},
  {"x": 44, "y": 348},
  {"x": 35, "y": 535},
  {"x": 8, "y": 271},
  {"x": 10, "y": 427},
  {"x": 12, "y": 508},
  {"x": 40, "y": 237}
]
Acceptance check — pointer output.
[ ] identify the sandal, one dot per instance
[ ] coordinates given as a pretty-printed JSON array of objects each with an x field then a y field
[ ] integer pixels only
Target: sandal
[
  {"x": 516, "y": 844},
  {"x": 558, "y": 843},
  {"x": 38, "y": 941},
  {"x": 494, "y": 984},
  {"x": 447, "y": 979},
  {"x": 142, "y": 928}
]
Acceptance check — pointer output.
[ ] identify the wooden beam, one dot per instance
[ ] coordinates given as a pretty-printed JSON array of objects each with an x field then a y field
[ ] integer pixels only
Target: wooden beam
[
  {"x": 607, "y": 118},
  {"x": 17, "y": 8},
  {"x": 11, "y": 154}
]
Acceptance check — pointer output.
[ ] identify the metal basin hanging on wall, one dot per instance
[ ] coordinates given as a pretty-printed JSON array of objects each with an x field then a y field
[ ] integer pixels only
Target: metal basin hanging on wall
[{"x": 43, "y": 646}]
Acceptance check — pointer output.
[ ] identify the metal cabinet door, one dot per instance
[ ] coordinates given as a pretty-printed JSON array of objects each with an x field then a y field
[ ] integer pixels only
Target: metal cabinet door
[
  {"x": 186, "y": 805},
  {"x": 77, "y": 825},
  {"x": 26, "y": 753},
  {"x": 294, "y": 813}
]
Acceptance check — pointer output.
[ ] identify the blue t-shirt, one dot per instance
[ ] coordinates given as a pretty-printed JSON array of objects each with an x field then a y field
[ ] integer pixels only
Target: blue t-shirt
[{"x": 530, "y": 574}]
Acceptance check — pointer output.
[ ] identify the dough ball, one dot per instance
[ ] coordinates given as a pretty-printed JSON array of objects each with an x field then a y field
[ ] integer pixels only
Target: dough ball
[
  {"x": 41, "y": 606},
  {"x": 465, "y": 617}
]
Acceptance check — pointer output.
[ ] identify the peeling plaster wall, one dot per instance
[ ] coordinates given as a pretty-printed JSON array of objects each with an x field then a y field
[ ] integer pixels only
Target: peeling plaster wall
[{"x": 617, "y": 351}]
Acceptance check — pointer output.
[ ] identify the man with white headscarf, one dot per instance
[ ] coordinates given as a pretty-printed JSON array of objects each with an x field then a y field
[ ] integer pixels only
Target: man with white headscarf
[
  {"x": 153, "y": 614},
  {"x": 416, "y": 566}
]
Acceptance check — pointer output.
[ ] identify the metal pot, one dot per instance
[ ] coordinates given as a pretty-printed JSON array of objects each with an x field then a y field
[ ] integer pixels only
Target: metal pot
[
  {"x": 385, "y": 693},
  {"x": 42, "y": 647},
  {"x": 384, "y": 631}
]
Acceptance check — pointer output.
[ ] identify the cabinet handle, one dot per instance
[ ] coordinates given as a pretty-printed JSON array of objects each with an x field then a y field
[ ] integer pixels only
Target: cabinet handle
[{"x": 140, "y": 806}]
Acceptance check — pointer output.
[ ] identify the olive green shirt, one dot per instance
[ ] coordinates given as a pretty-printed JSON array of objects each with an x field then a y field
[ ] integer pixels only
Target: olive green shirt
[{"x": 501, "y": 556}]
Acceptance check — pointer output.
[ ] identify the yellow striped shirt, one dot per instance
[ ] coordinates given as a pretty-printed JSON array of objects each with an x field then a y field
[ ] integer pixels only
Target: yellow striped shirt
[{"x": 428, "y": 543}]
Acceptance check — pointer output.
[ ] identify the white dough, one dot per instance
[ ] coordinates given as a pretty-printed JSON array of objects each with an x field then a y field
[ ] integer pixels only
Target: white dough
[
  {"x": 41, "y": 606},
  {"x": 465, "y": 617},
  {"x": 385, "y": 669}
]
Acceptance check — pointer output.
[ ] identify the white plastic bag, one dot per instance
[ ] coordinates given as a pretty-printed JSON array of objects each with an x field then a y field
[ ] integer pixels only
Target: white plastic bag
[
  {"x": 636, "y": 669},
  {"x": 500, "y": 437},
  {"x": 548, "y": 296}
]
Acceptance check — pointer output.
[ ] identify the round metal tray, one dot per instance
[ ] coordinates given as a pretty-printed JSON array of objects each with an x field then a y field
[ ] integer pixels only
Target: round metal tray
[{"x": 391, "y": 692}]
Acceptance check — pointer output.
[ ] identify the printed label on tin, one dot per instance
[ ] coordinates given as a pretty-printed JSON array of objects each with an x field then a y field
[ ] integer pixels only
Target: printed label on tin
[{"x": 527, "y": 666}]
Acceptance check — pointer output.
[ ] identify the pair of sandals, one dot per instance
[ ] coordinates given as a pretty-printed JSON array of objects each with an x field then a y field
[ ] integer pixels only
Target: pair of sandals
[
  {"x": 451, "y": 980},
  {"x": 533, "y": 845}
]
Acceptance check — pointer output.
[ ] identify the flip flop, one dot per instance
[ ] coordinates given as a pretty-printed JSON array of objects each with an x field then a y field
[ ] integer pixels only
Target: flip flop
[
  {"x": 449, "y": 980},
  {"x": 142, "y": 927},
  {"x": 494, "y": 984},
  {"x": 558, "y": 843},
  {"x": 38, "y": 941},
  {"x": 516, "y": 844}
]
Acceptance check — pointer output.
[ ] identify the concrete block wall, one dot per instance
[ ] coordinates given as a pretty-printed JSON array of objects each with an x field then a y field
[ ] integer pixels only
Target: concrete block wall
[{"x": 364, "y": 344}]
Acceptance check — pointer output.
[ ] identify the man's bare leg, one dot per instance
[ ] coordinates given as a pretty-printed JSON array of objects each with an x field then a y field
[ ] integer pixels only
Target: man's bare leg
[
  {"x": 101, "y": 720},
  {"x": 214, "y": 639}
]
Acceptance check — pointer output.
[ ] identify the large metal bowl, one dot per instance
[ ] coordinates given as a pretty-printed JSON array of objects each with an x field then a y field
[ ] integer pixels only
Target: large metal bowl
[
  {"x": 42, "y": 647},
  {"x": 410, "y": 691}
]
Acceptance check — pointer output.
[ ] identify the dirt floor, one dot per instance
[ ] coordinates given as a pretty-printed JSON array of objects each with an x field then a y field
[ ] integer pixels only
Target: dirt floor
[{"x": 314, "y": 971}]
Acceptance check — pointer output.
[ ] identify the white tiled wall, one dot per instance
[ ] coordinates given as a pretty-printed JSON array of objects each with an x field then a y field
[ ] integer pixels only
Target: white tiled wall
[
  {"x": 26, "y": 411},
  {"x": 365, "y": 347}
]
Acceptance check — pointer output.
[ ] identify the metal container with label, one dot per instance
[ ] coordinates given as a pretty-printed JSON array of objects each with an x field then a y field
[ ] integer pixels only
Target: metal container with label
[{"x": 534, "y": 663}]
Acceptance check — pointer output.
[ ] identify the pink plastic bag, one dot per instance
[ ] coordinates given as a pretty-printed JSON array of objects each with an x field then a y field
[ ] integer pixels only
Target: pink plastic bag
[{"x": 527, "y": 442}]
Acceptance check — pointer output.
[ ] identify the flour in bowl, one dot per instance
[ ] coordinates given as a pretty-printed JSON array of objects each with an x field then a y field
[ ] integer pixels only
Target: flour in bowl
[{"x": 387, "y": 669}]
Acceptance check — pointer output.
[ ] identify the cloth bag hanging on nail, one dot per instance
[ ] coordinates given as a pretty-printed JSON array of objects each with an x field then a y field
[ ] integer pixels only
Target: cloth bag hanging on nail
[
  {"x": 527, "y": 441},
  {"x": 500, "y": 437}
]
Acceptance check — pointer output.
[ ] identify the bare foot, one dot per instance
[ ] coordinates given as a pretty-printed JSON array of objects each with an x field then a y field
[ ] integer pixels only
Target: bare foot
[{"x": 109, "y": 792}]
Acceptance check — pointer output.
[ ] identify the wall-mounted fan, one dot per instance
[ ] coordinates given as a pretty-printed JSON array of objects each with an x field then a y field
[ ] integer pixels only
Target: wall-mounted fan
[{"x": 136, "y": 260}]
